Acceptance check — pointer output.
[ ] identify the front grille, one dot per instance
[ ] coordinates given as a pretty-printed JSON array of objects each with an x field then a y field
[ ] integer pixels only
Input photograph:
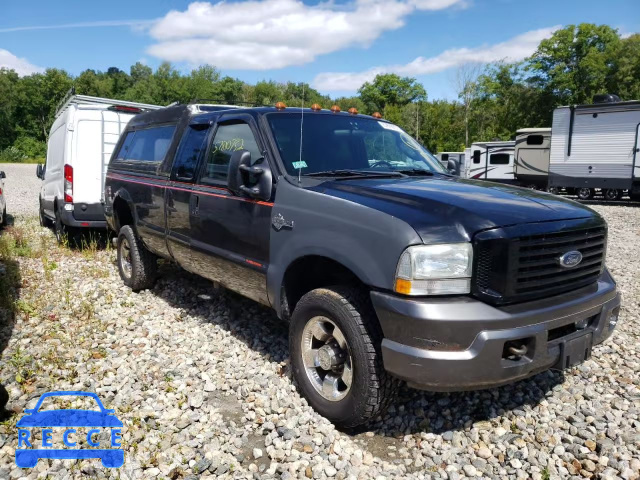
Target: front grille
[{"x": 509, "y": 270}]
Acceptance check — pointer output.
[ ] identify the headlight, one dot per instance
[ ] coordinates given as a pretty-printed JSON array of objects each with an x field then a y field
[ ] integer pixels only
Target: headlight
[{"x": 435, "y": 269}]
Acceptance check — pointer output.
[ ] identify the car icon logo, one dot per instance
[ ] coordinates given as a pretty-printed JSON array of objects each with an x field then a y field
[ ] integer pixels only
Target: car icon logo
[
  {"x": 28, "y": 453},
  {"x": 570, "y": 259}
]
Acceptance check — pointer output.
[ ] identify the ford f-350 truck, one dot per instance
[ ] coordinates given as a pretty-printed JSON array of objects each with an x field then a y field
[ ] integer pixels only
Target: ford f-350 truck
[{"x": 385, "y": 267}]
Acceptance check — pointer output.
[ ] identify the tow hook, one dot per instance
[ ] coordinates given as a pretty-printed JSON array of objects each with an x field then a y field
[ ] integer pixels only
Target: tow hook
[{"x": 518, "y": 351}]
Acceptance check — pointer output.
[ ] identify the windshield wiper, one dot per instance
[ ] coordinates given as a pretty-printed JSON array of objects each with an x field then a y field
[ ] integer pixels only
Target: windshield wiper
[
  {"x": 416, "y": 172},
  {"x": 352, "y": 173}
]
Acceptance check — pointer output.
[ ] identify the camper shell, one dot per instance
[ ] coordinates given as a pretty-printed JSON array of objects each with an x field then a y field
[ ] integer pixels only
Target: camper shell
[
  {"x": 82, "y": 138},
  {"x": 596, "y": 147},
  {"x": 492, "y": 161},
  {"x": 532, "y": 151}
]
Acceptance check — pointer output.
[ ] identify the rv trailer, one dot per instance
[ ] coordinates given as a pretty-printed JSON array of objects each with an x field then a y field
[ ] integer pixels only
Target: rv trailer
[
  {"x": 531, "y": 163},
  {"x": 492, "y": 161},
  {"x": 597, "y": 147},
  {"x": 456, "y": 157}
]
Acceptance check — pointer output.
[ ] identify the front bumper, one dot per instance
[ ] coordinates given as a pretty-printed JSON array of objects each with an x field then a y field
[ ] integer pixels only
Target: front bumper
[{"x": 460, "y": 343}]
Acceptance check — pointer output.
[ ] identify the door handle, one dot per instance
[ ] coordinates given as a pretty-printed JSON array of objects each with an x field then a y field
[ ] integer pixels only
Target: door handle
[{"x": 196, "y": 204}]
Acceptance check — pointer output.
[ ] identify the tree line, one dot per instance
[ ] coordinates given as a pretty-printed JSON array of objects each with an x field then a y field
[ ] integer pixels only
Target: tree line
[{"x": 574, "y": 64}]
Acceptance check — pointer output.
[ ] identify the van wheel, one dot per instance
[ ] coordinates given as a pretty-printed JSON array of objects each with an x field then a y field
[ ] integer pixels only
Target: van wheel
[
  {"x": 585, "y": 193},
  {"x": 44, "y": 221},
  {"x": 4, "y": 217},
  {"x": 136, "y": 264},
  {"x": 334, "y": 342},
  {"x": 60, "y": 229}
]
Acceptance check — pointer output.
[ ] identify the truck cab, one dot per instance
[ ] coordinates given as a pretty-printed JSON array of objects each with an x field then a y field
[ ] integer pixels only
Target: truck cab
[{"x": 386, "y": 268}]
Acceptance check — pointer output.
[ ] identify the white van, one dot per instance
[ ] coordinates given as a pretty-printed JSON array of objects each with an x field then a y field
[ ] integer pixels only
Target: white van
[{"x": 82, "y": 138}]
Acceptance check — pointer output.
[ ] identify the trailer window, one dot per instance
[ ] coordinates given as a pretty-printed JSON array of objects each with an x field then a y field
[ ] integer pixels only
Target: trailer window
[
  {"x": 535, "y": 140},
  {"x": 189, "y": 152},
  {"x": 444, "y": 157},
  {"x": 499, "y": 159},
  {"x": 476, "y": 156},
  {"x": 150, "y": 144}
]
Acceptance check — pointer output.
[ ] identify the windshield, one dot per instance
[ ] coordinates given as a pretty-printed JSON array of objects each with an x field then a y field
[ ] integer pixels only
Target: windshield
[{"x": 347, "y": 143}]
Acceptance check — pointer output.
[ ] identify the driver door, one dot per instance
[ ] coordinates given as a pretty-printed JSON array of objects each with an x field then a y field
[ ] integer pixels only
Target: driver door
[{"x": 230, "y": 233}]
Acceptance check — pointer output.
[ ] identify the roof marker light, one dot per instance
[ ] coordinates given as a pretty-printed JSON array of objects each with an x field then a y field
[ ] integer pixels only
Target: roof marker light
[
  {"x": 376, "y": 115},
  {"x": 280, "y": 106},
  {"x": 353, "y": 111},
  {"x": 335, "y": 109},
  {"x": 315, "y": 107}
]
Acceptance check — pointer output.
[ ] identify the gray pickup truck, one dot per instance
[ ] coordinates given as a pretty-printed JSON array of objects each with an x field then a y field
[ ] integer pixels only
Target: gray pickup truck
[{"x": 385, "y": 267}]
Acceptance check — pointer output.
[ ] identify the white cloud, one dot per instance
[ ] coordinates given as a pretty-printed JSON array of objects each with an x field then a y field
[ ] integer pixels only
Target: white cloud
[
  {"x": 135, "y": 24},
  {"x": 514, "y": 49},
  {"x": 20, "y": 65},
  {"x": 269, "y": 34}
]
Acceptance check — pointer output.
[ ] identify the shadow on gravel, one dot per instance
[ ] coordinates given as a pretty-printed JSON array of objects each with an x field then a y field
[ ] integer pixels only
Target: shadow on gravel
[
  {"x": 9, "y": 293},
  {"x": 413, "y": 412},
  {"x": 614, "y": 203}
]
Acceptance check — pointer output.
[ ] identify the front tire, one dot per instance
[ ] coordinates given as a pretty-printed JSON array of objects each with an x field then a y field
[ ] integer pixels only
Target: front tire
[
  {"x": 334, "y": 342},
  {"x": 137, "y": 265},
  {"x": 585, "y": 193}
]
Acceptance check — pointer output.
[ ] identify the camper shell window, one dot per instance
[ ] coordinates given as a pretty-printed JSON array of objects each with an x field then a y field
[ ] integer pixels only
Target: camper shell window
[
  {"x": 535, "y": 140},
  {"x": 150, "y": 144},
  {"x": 499, "y": 159}
]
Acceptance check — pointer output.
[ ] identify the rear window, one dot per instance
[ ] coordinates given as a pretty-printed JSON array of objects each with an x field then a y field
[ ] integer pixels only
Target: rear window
[
  {"x": 499, "y": 159},
  {"x": 535, "y": 140},
  {"x": 150, "y": 144}
]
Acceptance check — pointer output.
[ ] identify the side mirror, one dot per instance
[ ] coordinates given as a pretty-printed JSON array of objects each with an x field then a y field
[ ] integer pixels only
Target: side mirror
[
  {"x": 40, "y": 171},
  {"x": 452, "y": 167},
  {"x": 3, "y": 175},
  {"x": 252, "y": 180}
]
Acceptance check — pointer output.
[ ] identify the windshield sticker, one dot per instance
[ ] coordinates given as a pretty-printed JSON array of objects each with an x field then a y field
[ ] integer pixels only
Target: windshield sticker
[
  {"x": 299, "y": 165},
  {"x": 390, "y": 126}
]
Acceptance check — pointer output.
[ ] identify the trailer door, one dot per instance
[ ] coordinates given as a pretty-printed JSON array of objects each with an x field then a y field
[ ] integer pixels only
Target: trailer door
[{"x": 636, "y": 155}]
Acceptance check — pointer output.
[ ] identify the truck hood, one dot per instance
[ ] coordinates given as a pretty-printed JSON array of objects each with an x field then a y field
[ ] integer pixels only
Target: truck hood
[{"x": 446, "y": 209}]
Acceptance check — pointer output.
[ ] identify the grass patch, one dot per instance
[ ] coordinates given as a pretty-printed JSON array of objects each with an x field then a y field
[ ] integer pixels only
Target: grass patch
[{"x": 26, "y": 160}]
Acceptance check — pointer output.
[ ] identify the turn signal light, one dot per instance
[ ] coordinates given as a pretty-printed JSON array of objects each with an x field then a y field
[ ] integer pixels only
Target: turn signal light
[
  {"x": 376, "y": 115},
  {"x": 280, "y": 106},
  {"x": 353, "y": 111},
  {"x": 315, "y": 107},
  {"x": 335, "y": 109}
]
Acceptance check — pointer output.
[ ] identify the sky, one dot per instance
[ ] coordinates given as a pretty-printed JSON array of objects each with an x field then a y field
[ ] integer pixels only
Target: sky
[{"x": 333, "y": 45}]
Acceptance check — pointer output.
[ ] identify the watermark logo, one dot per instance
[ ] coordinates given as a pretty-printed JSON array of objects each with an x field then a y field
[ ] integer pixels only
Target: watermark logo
[{"x": 43, "y": 422}]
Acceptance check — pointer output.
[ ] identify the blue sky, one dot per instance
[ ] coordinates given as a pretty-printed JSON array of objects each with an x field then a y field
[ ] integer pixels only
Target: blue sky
[{"x": 334, "y": 46}]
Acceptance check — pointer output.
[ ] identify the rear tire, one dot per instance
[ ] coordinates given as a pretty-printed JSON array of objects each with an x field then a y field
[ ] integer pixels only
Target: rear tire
[
  {"x": 44, "y": 221},
  {"x": 345, "y": 319},
  {"x": 137, "y": 265},
  {"x": 585, "y": 193},
  {"x": 60, "y": 229},
  {"x": 4, "y": 217}
]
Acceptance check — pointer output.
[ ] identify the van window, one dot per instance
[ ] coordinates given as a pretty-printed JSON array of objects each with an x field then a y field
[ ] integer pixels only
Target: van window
[
  {"x": 535, "y": 139},
  {"x": 191, "y": 148},
  {"x": 150, "y": 144},
  {"x": 499, "y": 159},
  {"x": 476, "y": 156},
  {"x": 229, "y": 138}
]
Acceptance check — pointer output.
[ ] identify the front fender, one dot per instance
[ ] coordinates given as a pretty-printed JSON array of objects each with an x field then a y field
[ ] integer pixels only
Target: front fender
[{"x": 366, "y": 241}]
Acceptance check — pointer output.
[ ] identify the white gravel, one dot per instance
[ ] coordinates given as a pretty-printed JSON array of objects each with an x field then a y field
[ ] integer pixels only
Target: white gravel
[
  {"x": 200, "y": 379},
  {"x": 22, "y": 188}
]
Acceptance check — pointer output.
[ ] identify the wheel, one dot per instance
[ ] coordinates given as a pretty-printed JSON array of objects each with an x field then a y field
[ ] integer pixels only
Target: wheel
[
  {"x": 59, "y": 228},
  {"x": 4, "y": 217},
  {"x": 584, "y": 193},
  {"x": 553, "y": 190},
  {"x": 136, "y": 264},
  {"x": 612, "y": 194},
  {"x": 44, "y": 221},
  {"x": 334, "y": 342}
]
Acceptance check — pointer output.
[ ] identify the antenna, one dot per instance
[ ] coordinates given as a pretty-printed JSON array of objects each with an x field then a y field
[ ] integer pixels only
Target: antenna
[{"x": 301, "y": 123}]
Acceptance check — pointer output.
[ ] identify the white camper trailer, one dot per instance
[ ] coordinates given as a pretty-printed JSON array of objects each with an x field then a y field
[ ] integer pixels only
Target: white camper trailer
[
  {"x": 82, "y": 138},
  {"x": 531, "y": 163},
  {"x": 456, "y": 157},
  {"x": 492, "y": 161},
  {"x": 597, "y": 147}
]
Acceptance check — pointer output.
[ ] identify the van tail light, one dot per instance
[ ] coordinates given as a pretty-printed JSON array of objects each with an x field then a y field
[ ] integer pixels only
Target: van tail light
[{"x": 68, "y": 184}]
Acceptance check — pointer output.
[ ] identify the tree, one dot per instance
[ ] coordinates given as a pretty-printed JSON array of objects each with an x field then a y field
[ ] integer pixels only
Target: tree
[
  {"x": 576, "y": 62},
  {"x": 390, "y": 89},
  {"x": 466, "y": 76},
  {"x": 9, "y": 84},
  {"x": 625, "y": 80}
]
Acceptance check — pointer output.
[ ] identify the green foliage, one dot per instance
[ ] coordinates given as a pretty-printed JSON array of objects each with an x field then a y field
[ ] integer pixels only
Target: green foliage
[{"x": 570, "y": 67}]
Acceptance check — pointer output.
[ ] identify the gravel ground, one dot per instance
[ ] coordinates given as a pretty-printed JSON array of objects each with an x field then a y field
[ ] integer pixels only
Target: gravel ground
[
  {"x": 22, "y": 188},
  {"x": 200, "y": 379}
]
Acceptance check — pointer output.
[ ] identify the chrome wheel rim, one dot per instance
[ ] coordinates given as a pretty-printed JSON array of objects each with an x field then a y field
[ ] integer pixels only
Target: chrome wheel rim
[
  {"x": 584, "y": 193},
  {"x": 611, "y": 194},
  {"x": 125, "y": 258},
  {"x": 327, "y": 358}
]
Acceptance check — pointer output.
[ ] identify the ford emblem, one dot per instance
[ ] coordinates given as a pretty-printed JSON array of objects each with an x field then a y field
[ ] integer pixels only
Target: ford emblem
[{"x": 570, "y": 259}]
